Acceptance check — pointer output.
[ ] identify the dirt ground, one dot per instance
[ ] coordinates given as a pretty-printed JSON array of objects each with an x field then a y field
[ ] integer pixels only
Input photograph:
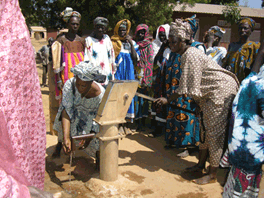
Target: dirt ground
[{"x": 146, "y": 169}]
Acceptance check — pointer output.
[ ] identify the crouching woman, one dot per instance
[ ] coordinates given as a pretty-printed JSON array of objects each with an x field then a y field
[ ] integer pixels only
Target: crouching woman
[{"x": 81, "y": 98}]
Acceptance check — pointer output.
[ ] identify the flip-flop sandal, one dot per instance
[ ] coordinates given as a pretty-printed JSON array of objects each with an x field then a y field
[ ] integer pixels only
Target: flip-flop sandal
[
  {"x": 211, "y": 180},
  {"x": 183, "y": 154}
]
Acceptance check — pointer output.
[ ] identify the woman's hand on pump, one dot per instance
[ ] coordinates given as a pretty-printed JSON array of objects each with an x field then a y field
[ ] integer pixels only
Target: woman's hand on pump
[
  {"x": 67, "y": 145},
  {"x": 161, "y": 101}
]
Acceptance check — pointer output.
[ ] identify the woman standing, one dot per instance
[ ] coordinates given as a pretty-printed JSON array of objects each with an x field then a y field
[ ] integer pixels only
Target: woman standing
[
  {"x": 183, "y": 130},
  {"x": 213, "y": 89},
  {"x": 245, "y": 140},
  {"x": 127, "y": 55},
  {"x": 144, "y": 71},
  {"x": 67, "y": 51},
  {"x": 23, "y": 129},
  {"x": 99, "y": 49},
  {"x": 241, "y": 54},
  {"x": 160, "y": 43},
  {"x": 212, "y": 39}
]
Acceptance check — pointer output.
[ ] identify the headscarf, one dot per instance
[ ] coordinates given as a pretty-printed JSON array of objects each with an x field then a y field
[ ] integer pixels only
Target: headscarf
[
  {"x": 218, "y": 31},
  {"x": 146, "y": 41},
  {"x": 161, "y": 29},
  {"x": 248, "y": 20},
  {"x": 181, "y": 29},
  {"x": 86, "y": 71},
  {"x": 68, "y": 13},
  {"x": 101, "y": 21},
  {"x": 116, "y": 39},
  {"x": 157, "y": 43},
  {"x": 193, "y": 23}
]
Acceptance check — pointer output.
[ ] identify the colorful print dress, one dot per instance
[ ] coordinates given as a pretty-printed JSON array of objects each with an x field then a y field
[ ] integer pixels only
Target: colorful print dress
[
  {"x": 125, "y": 70},
  {"x": 144, "y": 72},
  {"x": 217, "y": 54},
  {"x": 182, "y": 127},
  {"x": 101, "y": 54},
  {"x": 239, "y": 58},
  {"x": 246, "y": 139},
  {"x": 68, "y": 53},
  {"x": 81, "y": 112}
]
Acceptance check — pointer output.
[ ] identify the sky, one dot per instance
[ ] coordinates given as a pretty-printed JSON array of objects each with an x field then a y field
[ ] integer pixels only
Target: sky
[{"x": 251, "y": 3}]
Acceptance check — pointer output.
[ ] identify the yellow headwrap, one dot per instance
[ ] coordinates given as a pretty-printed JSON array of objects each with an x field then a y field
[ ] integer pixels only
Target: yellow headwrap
[
  {"x": 116, "y": 39},
  {"x": 248, "y": 20}
]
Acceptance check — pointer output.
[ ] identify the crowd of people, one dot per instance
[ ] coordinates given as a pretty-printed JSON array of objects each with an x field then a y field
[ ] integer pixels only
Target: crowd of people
[{"x": 207, "y": 98}]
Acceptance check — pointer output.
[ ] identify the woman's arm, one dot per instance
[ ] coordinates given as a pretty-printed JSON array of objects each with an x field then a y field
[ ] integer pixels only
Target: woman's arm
[
  {"x": 66, "y": 126},
  {"x": 259, "y": 59},
  {"x": 133, "y": 51}
]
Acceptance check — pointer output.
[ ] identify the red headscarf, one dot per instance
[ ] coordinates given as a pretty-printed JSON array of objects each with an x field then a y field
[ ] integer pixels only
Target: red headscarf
[{"x": 146, "y": 41}]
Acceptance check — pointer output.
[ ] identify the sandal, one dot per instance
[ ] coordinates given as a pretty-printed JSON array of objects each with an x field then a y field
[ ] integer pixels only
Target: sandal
[
  {"x": 183, "y": 154},
  {"x": 207, "y": 179}
]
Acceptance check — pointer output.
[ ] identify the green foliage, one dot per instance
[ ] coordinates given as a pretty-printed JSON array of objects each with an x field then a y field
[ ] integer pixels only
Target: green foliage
[
  {"x": 231, "y": 13},
  {"x": 151, "y": 12},
  {"x": 222, "y": 2}
]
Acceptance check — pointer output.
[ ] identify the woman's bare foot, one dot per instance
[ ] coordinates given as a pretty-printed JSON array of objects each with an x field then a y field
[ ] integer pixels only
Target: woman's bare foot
[{"x": 207, "y": 179}]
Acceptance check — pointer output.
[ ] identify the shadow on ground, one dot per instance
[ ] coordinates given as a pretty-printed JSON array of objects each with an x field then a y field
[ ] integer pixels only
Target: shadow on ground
[{"x": 160, "y": 158}]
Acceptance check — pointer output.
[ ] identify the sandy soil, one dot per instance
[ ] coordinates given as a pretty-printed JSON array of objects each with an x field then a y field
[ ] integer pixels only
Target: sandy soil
[{"x": 146, "y": 169}]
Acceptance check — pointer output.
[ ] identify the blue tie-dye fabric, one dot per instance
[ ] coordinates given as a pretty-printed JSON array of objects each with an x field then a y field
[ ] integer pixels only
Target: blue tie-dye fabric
[{"x": 246, "y": 132}]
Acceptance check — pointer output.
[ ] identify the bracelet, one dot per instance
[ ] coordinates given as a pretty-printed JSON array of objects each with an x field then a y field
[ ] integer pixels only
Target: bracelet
[{"x": 59, "y": 81}]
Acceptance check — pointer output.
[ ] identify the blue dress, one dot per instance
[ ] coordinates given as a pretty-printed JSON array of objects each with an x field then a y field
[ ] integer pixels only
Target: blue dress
[
  {"x": 125, "y": 69},
  {"x": 182, "y": 127}
]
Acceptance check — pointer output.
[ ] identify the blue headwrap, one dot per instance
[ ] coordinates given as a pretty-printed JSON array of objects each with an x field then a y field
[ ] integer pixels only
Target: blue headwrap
[{"x": 193, "y": 23}]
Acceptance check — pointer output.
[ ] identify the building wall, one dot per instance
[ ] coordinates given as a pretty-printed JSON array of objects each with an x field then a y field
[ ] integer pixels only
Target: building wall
[
  {"x": 208, "y": 20},
  {"x": 51, "y": 33}
]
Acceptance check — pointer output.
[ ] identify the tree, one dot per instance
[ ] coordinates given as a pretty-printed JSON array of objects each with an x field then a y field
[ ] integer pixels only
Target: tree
[
  {"x": 151, "y": 12},
  {"x": 231, "y": 13},
  {"x": 222, "y": 2}
]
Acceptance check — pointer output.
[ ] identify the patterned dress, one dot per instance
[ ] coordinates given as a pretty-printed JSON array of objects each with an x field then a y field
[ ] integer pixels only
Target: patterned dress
[
  {"x": 21, "y": 104},
  {"x": 213, "y": 89},
  {"x": 101, "y": 54},
  {"x": 182, "y": 128},
  {"x": 217, "y": 54},
  {"x": 81, "y": 112},
  {"x": 239, "y": 58},
  {"x": 72, "y": 53},
  {"x": 246, "y": 139},
  {"x": 125, "y": 70}
]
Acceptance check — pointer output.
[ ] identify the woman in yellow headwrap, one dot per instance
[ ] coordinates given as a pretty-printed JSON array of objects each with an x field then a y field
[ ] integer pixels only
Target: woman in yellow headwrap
[
  {"x": 127, "y": 54},
  {"x": 241, "y": 54}
]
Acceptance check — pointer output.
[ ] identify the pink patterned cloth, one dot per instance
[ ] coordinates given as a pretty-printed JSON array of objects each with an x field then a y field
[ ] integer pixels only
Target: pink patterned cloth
[
  {"x": 20, "y": 96},
  {"x": 13, "y": 182}
]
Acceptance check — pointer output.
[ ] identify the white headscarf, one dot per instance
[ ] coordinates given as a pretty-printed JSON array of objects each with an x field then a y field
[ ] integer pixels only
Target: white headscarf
[
  {"x": 86, "y": 71},
  {"x": 157, "y": 43}
]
